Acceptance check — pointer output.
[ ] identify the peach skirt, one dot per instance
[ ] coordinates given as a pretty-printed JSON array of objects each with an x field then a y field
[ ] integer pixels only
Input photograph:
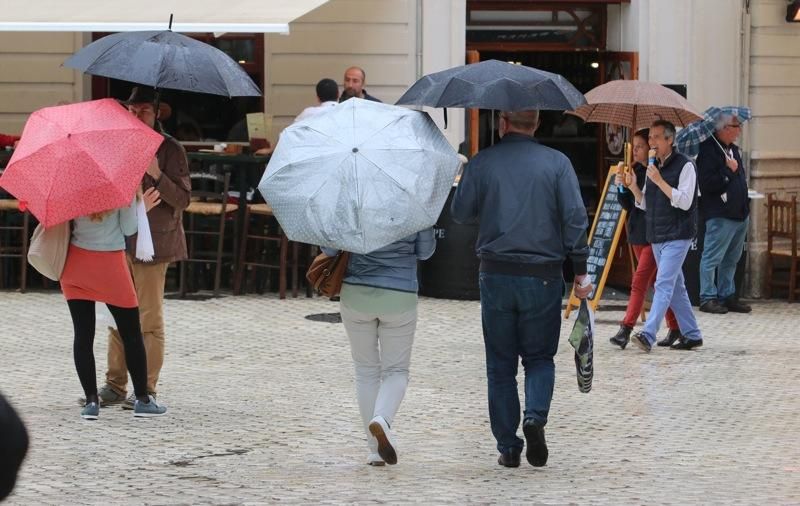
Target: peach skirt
[{"x": 101, "y": 276}]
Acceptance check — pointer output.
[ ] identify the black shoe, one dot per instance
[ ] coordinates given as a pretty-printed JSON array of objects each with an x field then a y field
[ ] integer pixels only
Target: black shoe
[
  {"x": 714, "y": 307},
  {"x": 735, "y": 306},
  {"x": 672, "y": 336},
  {"x": 509, "y": 458},
  {"x": 536, "y": 452},
  {"x": 686, "y": 344},
  {"x": 641, "y": 341},
  {"x": 622, "y": 337}
]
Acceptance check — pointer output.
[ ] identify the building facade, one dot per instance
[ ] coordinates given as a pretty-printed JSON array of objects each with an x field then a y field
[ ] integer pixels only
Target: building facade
[{"x": 722, "y": 51}]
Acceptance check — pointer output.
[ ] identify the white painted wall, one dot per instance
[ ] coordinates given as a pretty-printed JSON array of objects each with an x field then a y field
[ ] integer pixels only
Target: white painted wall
[
  {"x": 395, "y": 41},
  {"x": 444, "y": 46},
  {"x": 692, "y": 42},
  {"x": 31, "y": 75}
]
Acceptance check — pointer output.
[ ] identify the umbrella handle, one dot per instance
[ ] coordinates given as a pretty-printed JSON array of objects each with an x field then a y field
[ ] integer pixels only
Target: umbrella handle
[{"x": 170, "y": 22}]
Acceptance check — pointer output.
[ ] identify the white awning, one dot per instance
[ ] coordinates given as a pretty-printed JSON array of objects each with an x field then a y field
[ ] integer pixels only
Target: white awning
[{"x": 198, "y": 16}]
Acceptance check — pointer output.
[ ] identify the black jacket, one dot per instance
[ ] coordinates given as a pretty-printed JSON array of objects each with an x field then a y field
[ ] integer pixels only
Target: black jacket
[
  {"x": 716, "y": 180},
  {"x": 665, "y": 222},
  {"x": 637, "y": 228},
  {"x": 528, "y": 203}
]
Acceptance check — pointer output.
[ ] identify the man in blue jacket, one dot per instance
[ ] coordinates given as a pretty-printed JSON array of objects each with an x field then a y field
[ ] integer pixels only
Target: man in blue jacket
[
  {"x": 528, "y": 203},
  {"x": 725, "y": 206}
]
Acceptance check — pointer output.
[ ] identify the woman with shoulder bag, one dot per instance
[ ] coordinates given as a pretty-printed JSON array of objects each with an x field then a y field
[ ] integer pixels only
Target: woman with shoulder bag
[
  {"x": 378, "y": 303},
  {"x": 96, "y": 271}
]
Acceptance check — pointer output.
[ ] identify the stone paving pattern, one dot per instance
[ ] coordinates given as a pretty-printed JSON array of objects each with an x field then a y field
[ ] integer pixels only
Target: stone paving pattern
[{"x": 262, "y": 410}]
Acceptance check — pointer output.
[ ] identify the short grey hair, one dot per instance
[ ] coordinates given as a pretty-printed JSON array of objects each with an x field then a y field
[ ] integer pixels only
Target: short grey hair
[
  {"x": 669, "y": 128},
  {"x": 723, "y": 121}
]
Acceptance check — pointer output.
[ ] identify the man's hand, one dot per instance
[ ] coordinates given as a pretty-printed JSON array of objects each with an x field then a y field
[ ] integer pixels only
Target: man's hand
[
  {"x": 151, "y": 198},
  {"x": 732, "y": 164},
  {"x": 654, "y": 174},
  {"x": 153, "y": 170},
  {"x": 581, "y": 286}
]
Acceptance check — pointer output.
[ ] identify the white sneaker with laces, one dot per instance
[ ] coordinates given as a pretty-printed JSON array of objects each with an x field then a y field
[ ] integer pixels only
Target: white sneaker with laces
[{"x": 386, "y": 446}]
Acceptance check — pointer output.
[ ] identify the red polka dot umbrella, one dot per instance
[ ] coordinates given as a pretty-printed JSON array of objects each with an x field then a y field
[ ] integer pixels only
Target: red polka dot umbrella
[{"x": 78, "y": 159}]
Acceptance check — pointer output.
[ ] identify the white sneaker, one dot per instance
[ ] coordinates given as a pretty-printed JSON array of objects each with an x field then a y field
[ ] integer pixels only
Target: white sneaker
[
  {"x": 386, "y": 449},
  {"x": 375, "y": 460}
]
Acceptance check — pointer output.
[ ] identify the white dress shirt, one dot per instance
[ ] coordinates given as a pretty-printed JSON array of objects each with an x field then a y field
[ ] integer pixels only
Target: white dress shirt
[
  {"x": 310, "y": 112},
  {"x": 683, "y": 195}
]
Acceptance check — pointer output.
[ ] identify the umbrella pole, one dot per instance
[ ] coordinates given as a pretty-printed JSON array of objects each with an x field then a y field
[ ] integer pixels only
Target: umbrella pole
[{"x": 491, "y": 142}]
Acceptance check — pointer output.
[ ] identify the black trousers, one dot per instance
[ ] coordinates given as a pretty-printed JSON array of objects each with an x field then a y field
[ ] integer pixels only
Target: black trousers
[{"x": 127, "y": 319}]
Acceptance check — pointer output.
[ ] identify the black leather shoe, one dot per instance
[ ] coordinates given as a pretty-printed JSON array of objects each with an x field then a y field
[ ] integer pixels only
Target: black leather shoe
[
  {"x": 713, "y": 307},
  {"x": 686, "y": 344},
  {"x": 735, "y": 306},
  {"x": 509, "y": 458},
  {"x": 622, "y": 337},
  {"x": 641, "y": 341},
  {"x": 672, "y": 336},
  {"x": 536, "y": 451}
]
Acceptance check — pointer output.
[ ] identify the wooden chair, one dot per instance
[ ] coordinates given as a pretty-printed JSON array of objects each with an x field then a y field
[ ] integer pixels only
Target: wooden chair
[
  {"x": 12, "y": 248},
  {"x": 261, "y": 229},
  {"x": 782, "y": 225},
  {"x": 205, "y": 204}
]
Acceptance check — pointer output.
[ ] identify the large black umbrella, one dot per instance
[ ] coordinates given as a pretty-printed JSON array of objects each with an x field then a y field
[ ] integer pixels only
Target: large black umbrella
[
  {"x": 494, "y": 84},
  {"x": 164, "y": 60}
]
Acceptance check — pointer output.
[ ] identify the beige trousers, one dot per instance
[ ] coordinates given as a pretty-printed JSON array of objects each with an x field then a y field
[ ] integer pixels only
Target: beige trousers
[{"x": 149, "y": 280}]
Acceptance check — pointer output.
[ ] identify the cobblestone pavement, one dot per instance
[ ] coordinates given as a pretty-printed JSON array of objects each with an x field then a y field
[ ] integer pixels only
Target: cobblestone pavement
[{"x": 262, "y": 410}]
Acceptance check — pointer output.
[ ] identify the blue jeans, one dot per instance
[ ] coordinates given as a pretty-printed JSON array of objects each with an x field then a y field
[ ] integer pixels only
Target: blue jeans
[
  {"x": 521, "y": 318},
  {"x": 722, "y": 248},
  {"x": 670, "y": 291}
]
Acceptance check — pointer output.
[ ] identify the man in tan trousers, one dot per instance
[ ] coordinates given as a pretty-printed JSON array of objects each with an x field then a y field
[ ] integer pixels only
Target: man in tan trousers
[{"x": 169, "y": 174}]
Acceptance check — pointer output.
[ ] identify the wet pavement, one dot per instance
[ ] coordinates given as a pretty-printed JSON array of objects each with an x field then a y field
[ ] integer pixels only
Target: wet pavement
[{"x": 262, "y": 410}]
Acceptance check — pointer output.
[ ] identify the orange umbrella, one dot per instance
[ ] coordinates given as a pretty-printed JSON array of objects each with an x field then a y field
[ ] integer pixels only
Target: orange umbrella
[{"x": 635, "y": 104}]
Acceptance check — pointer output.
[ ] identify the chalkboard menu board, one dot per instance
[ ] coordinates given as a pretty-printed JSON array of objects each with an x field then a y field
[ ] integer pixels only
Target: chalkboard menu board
[{"x": 603, "y": 238}]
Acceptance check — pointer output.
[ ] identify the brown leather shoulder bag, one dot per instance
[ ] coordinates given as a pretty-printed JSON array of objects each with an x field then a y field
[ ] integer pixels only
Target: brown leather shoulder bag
[{"x": 327, "y": 273}]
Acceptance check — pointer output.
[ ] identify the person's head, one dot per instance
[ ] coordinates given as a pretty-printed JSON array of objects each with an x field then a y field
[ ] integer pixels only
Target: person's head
[
  {"x": 661, "y": 137},
  {"x": 347, "y": 94},
  {"x": 354, "y": 79},
  {"x": 142, "y": 104},
  {"x": 520, "y": 122},
  {"x": 327, "y": 90},
  {"x": 13, "y": 447},
  {"x": 728, "y": 129},
  {"x": 641, "y": 146}
]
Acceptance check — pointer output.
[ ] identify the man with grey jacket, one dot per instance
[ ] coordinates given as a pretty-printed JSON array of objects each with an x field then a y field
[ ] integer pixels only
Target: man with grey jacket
[{"x": 528, "y": 203}]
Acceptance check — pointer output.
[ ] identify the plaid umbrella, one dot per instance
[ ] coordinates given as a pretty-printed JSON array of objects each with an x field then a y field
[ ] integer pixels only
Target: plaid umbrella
[
  {"x": 688, "y": 140},
  {"x": 635, "y": 104}
]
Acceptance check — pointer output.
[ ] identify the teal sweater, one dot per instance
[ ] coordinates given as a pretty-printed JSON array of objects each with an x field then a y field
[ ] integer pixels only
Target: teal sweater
[{"x": 108, "y": 234}]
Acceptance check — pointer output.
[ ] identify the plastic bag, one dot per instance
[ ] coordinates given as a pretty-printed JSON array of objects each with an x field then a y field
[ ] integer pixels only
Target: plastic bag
[{"x": 582, "y": 341}]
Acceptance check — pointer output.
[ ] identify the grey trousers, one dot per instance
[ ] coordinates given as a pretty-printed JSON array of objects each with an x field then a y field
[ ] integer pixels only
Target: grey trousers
[{"x": 381, "y": 349}]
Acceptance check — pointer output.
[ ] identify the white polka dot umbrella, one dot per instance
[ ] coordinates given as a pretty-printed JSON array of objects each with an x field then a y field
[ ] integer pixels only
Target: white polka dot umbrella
[{"x": 360, "y": 176}]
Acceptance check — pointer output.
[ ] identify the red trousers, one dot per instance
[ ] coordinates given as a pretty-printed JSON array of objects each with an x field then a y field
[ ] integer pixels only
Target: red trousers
[{"x": 643, "y": 279}]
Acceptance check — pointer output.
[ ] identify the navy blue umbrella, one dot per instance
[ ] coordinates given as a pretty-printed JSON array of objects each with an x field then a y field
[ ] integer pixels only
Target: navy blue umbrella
[
  {"x": 493, "y": 84},
  {"x": 164, "y": 60}
]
